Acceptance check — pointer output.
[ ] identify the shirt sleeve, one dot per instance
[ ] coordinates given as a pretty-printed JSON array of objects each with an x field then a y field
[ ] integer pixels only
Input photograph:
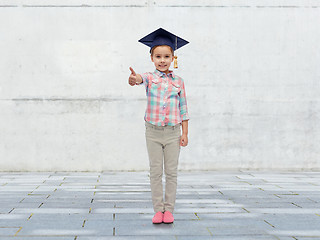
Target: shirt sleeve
[
  {"x": 183, "y": 103},
  {"x": 145, "y": 79}
]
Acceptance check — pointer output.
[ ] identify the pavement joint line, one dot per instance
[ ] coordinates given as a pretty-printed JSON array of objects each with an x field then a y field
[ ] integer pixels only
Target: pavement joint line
[
  {"x": 248, "y": 183},
  {"x": 197, "y": 216},
  {"x": 196, "y": 6},
  {"x": 40, "y": 205},
  {"x": 17, "y": 232},
  {"x": 288, "y": 194},
  {"x": 261, "y": 189},
  {"x": 269, "y": 223},
  {"x": 221, "y": 192},
  {"x": 312, "y": 200},
  {"x": 92, "y": 200},
  {"x": 84, "y": 222},
  {"x": 4, "y": 184},
  {"x": 296, "y": 205},
  {"x": 277, "y": 195},
  {"x": 55, "y": 190},
  {"x": 22, "y": 200},
  {"x": 211, "y": 234},
  {"x": 114, "y": 231},
  {"x": 9, "y": 227},
  {"x": 294, "y": 193},
  {"x": 114, "y": 216},
  {"x": 11, "y": 210},
  {"x": 246, "y": 210},
  {"x": 90, "y": 210},
  {"x": 48, "y": 196},
  {"x": 30, "y": 217}
]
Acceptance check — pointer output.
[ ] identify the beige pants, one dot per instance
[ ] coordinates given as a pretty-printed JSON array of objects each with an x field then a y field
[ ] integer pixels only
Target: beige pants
[{"x": 163, "y": 144}]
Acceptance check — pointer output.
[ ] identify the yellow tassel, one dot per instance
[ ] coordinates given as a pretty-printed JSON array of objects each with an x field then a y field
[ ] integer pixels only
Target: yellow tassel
[{"x": 175, "y": 63}]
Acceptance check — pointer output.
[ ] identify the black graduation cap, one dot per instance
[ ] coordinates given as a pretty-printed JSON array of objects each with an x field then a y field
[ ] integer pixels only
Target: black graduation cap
[{"x": 163, "y": 37}]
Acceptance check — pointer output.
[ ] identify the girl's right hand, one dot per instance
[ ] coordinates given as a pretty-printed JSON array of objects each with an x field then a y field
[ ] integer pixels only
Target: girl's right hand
[{"x": 132, "y": 77}]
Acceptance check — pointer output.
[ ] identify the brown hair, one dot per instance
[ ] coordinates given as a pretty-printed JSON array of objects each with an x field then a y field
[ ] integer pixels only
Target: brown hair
[{"x": 151, "y": 51}]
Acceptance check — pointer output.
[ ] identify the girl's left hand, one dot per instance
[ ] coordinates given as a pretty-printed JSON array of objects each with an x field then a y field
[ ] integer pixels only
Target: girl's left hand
[{"x": 184, "y": 140}]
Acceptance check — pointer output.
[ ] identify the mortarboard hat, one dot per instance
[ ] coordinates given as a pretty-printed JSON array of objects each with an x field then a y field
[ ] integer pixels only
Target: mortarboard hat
[{"x": 163, "y": 37}]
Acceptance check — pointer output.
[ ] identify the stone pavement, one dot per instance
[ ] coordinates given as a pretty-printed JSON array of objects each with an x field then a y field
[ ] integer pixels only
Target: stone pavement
[{"x": 117, "y": 205}]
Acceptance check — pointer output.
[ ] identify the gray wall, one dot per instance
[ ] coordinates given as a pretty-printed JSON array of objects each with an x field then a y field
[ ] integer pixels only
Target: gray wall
[{"x": 251, "y": 72}]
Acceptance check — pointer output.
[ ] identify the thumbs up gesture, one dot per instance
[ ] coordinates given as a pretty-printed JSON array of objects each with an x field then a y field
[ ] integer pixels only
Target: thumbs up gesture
[{"x": 134, "y": 78}]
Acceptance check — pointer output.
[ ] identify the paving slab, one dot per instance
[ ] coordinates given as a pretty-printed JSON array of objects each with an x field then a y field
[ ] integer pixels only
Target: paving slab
[
  {"x": 39, "y": 238},
  {"x": 117, "y": 205},
  {"x": 293, "y": 222},
  {"x": 129, "y": 237},
  {"x": 243, "y": 237}
]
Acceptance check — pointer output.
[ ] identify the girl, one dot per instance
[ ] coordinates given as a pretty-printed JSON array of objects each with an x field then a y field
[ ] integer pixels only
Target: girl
[{"x": 165, "y": 114}]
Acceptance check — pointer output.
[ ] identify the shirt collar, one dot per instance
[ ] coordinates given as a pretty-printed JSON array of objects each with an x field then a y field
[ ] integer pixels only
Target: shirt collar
[{"x": 161, "y": 74}]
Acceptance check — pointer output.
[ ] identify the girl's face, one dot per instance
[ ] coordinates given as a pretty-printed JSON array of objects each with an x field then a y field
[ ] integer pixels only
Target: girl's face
[{"x": 162, "y": 58}]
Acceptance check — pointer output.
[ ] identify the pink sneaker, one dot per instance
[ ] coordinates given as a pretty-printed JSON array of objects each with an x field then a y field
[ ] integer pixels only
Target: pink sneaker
[
  {"x": 158, "y": 217},
  {"x": 168, "y": 217}
]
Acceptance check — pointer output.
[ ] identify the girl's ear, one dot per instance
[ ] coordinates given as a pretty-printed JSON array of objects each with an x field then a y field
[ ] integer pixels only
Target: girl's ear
[{"x": 151, "y": 58}]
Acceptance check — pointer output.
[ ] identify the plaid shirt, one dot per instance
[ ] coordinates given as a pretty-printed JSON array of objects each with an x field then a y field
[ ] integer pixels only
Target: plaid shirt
[{"x": 167, "y": 103}]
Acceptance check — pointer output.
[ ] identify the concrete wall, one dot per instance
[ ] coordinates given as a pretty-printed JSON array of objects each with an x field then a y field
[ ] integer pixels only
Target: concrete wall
[{"x": 251, "y": 72}]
